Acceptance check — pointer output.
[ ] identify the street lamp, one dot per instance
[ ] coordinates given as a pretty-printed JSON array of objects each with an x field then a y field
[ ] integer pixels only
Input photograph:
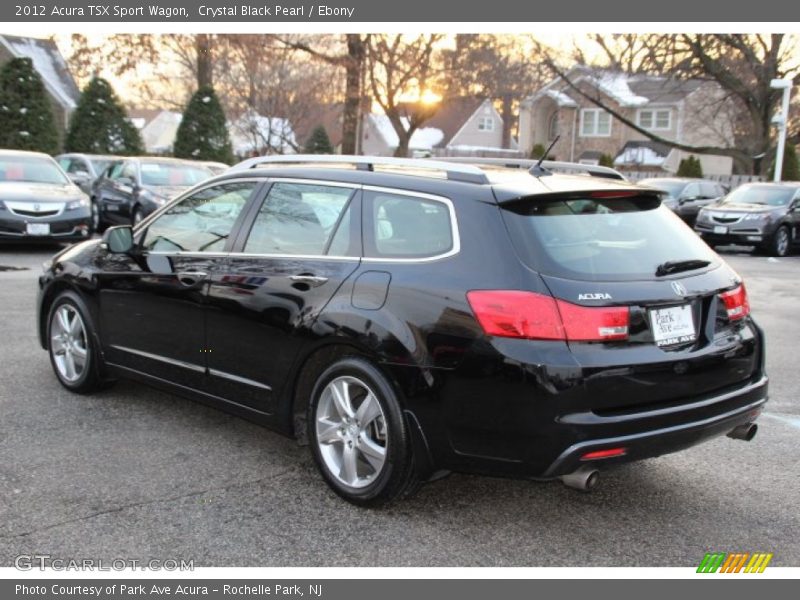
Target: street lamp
[{"x": 781, "y": 119}]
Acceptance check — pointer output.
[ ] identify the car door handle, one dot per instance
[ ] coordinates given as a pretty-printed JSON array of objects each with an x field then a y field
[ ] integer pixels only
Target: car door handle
[
  {"x": 190, "y": 278},
  {"x": 312, "y": 280}
]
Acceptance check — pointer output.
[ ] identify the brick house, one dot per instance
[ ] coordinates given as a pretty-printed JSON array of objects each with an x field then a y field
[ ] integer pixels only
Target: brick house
[{"x": 689, "y": 111}]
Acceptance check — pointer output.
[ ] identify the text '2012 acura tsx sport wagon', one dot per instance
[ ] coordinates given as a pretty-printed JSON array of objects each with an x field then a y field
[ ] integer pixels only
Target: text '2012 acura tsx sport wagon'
[{"x": 411, "y": 317}]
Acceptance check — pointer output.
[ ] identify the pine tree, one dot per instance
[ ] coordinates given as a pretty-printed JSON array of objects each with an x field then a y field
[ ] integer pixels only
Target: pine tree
[
  {"x": 791, "y": 165},
  {"x": 203, "y": 132},
  {"x": 319, "y": 142},
  {"x": 690, "y": 167},
  {"x": 26, "y": 117},
  {"x": 537, "y": 151},
  {"x": 100, "y": 124},
  {"x": 606, "y": 160}
]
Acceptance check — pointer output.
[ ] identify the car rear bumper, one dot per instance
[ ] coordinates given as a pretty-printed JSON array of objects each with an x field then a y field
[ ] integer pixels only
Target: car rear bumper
[{"x": 649, "y": 443}]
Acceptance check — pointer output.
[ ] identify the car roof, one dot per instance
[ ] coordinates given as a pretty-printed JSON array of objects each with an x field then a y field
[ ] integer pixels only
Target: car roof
[
  {"x": 501, "y": 184},
  {"x": 87, "y": 155},
  {"x": 24, "y": 153},
  {"x": 793, "y": 184}
]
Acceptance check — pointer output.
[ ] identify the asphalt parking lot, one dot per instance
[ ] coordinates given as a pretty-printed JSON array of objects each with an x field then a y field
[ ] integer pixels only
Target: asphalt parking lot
[{"x": 135, "y": 473}]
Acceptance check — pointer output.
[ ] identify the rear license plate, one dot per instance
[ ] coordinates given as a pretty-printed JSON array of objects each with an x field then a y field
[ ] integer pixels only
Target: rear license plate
[
  {"x": 674, "y": 325},
  {"x": 720, "y": 229},
  {"x": 38, "y": 228}
]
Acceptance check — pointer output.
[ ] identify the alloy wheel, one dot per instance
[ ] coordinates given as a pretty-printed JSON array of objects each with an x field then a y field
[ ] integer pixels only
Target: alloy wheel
[
  {"x": 781, "y": 242},
  {"x": 68, "y": 343},
  {"x": 351, "y": 432}
]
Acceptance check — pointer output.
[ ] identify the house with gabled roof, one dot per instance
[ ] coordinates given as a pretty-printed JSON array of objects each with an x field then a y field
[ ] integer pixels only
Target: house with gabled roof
[
  {"x": 688, "y": 111},
  {"x": 61, "y": 88},
  {"x": 460, "y": 125}
]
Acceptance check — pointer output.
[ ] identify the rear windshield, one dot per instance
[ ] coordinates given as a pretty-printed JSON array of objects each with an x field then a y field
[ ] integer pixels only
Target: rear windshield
[{"x": 601, "y": 239}]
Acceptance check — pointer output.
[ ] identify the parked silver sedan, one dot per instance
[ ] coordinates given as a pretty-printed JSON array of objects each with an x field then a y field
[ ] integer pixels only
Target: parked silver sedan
[{"x": 38, "y": 202}]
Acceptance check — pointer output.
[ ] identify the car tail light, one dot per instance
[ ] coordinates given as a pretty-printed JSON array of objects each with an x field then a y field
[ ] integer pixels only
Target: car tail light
[
  {"x": 517, "y": 314},
  {"x": 736, "y": 303},
  {"x": 607, "y": 453}
]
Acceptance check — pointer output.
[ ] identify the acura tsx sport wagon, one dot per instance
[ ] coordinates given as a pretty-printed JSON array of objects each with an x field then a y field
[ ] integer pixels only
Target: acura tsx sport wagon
[{"x": 411, "y": 317}]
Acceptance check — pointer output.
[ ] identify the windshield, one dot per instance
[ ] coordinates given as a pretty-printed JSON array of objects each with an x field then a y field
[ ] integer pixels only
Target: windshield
[
  {"x": 31, "y": 169},
  {"x": 603, "y": 239},
  {"x": 100, "y": 165},
  {"x": 169, "y": 174},
  {"x": 768, "y": 195},
  {"x": 673, "y": 188}
]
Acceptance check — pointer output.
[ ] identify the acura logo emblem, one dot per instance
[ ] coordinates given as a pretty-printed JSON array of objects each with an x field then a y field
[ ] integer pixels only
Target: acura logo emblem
[
  {"x": 36, "y": 207},
  {"x": 678, "y": 288}
]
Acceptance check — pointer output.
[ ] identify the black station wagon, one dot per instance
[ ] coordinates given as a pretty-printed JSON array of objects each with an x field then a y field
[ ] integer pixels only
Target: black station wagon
[{"x": 408, "y": 318}]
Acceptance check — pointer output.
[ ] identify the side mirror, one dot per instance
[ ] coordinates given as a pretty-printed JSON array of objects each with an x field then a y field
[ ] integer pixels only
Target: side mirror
[{"x": 119, "y": 239}]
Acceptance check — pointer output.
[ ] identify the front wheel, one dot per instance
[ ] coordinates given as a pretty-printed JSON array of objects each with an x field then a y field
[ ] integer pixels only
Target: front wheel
[
  {"x": 71, "y": 345},
  {"x": 779, "y": 245},
  {"x": 359, "y": 438}
]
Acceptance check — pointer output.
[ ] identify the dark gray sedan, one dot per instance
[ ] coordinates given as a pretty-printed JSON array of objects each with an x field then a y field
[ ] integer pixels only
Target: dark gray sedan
[
  {"x": 764, "y": 215},
  {"x": 38, "y": 202},
  {"x": 686, "y": 196}
]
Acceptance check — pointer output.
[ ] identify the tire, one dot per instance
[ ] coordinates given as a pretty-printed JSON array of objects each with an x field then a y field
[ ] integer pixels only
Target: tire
[
  {"x": 97, "y": 220},
  {"x": 72, "y": 345},
  {"x": 780, "y": 242},
  {"x": 358, "y": 436}
]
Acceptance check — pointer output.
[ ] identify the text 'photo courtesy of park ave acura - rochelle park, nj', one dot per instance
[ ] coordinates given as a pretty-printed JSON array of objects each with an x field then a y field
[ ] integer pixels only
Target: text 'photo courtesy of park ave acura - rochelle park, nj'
[{"x": 381, "y": 299}]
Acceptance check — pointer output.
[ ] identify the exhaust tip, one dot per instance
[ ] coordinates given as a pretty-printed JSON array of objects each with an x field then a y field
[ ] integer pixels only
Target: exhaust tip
[
  {"x": 584, "y": 479},
  {"x": 744, "y": 432}
]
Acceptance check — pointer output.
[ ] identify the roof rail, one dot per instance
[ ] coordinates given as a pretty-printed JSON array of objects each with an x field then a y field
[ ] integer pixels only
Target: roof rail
[
  {"x": 549, "y": 165},
  {"x": 454, "y": 172}
]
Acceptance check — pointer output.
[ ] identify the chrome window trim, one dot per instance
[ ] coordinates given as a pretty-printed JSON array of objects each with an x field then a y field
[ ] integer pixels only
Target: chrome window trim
[
  {"x": 454, "y": 232},
  {"x": 454, "y": 229}
]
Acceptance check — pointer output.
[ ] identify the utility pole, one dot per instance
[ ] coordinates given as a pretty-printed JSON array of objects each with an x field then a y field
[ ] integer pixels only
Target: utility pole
[{"x": 781, "y": 120}]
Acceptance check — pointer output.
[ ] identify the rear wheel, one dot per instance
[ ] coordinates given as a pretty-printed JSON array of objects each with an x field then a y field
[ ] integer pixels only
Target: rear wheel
[
  {"x": 359, "y": 438},
  {"x": 779, "y": 244},
  {"x": 71, "y": 345}
]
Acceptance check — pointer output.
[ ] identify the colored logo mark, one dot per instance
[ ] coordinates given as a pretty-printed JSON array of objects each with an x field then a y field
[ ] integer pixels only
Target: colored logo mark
[{"x": 734, "y": 562}]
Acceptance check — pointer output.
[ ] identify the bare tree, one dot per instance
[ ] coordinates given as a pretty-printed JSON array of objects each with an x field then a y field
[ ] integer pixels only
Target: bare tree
[
  {"x": 499, "y": 67},
  {"x": 742, "y": 65},
  {"x": 399, "y": 65}
]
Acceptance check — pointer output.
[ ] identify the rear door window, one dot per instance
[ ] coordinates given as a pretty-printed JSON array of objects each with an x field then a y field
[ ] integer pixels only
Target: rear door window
[
  {"x": 600, "y": 239},
  {"x": 401, "y": 226},
  {"x": 302, "y": 220}
]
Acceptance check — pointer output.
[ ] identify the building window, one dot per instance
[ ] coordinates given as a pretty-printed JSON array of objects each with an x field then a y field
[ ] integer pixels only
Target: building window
[
  {"x": 655, "y": 119},
  {"x": 595, "y": 122},
  {"x": 552, "y": 127},
  {"x": 486, "y": 123}
]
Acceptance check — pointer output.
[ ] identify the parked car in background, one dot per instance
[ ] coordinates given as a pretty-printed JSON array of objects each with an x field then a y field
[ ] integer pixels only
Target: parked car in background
[
  {"x": 84, "y": 169},
  {"x": 133, "y": 188},
  {"x": 215, "y": 167},
  {"x": 764, "y": 215},
  {"x": 38, "y": 202},
  {"x": 686, "y": 196},
  {"x": 409, "y": 317}
]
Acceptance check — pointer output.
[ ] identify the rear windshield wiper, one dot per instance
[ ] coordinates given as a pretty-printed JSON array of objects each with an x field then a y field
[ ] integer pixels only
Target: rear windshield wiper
[{"x": 676, "y": 266}]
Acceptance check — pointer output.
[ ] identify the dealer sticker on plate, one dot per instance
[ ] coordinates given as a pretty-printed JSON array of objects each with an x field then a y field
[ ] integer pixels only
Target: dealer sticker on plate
[
  {"x": 37, "y": 228},
  {"x": 674, "y": 325}
]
